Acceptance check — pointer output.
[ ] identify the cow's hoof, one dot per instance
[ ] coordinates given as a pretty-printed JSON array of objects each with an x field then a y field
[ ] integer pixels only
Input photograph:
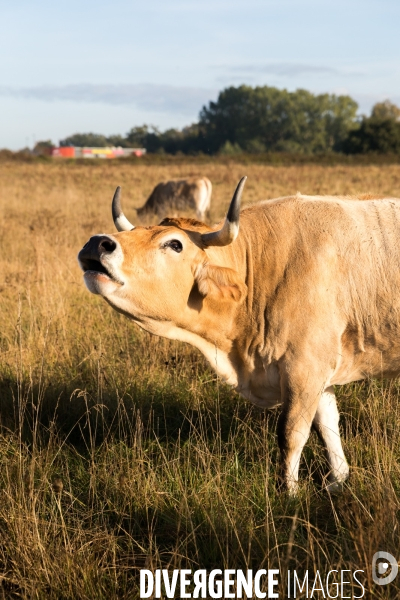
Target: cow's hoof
[
  {"x": 290, "y": 488},
  {"x": 335, "y": 487}
]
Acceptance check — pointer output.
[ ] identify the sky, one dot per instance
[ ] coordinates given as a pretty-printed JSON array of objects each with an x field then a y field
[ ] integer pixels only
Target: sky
[{"x": 105, "y": 67}]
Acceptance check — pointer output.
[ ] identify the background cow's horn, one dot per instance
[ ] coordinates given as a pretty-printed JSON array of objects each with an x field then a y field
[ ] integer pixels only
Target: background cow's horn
[
  {"x": 230, "y": 228},
  {"x": 120, "y": 220}
]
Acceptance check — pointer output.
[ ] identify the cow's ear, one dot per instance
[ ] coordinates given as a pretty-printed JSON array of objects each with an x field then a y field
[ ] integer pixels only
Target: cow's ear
[{"x": 220, "y": 282}]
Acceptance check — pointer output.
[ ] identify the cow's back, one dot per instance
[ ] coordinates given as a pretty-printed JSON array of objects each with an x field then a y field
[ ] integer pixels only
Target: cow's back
[{"x": 178, "y": 196}]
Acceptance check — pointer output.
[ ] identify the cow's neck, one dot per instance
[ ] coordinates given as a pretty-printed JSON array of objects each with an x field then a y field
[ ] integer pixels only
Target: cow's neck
[{"x": 232, "y": 336}]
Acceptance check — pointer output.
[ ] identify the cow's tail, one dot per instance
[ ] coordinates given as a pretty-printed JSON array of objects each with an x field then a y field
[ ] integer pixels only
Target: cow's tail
[
  {"x": 204, "y": 209},
  {"x": 209, "y": 190}
]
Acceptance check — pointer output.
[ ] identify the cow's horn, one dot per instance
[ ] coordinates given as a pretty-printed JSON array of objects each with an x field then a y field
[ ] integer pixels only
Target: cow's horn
[
  {"x": 120, "y": 220},
  {"x": 228, "y": 233}
]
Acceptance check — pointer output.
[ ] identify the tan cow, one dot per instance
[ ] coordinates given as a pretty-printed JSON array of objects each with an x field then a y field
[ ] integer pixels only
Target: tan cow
[
  {"x": 185, "y": 194},
  {"x": 305, "y": 296}
]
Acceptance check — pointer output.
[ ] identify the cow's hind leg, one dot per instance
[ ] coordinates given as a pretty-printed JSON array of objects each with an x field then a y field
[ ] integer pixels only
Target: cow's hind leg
[{"x": 326, "y": 423}]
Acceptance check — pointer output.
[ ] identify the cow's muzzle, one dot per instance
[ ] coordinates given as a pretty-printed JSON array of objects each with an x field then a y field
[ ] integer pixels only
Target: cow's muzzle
[{"x": 98, "y": 256}]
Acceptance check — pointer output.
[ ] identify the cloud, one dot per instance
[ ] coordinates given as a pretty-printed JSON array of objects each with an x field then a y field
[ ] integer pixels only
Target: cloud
[
  {"x": 287, "y": 69},
  {"x": 150, "y": 97}
]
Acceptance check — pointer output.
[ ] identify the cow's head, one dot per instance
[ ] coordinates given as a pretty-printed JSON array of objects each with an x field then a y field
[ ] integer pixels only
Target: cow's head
[{"x": 164, "y": 271}]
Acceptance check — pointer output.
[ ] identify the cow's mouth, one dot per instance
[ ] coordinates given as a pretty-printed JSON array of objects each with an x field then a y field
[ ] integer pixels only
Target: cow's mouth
[
  {"x": 94, "y": 268},
  {"x": 91, "y": 264}
]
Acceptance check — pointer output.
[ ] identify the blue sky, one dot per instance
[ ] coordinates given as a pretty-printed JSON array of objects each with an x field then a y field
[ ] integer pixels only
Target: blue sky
[{"x": 108, "y": 66}]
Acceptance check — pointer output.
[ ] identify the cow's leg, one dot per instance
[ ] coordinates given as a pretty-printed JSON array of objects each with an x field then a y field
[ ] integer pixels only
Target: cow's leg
[
  {"x": 326, "y": 423},
  {"x": 300, "y": 396}
]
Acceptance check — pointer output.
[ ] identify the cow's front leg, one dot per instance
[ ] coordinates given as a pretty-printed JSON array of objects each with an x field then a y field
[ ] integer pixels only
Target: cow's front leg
[
  {"x": 301, "y": 393},
  {"x": 326, "y": 423}
]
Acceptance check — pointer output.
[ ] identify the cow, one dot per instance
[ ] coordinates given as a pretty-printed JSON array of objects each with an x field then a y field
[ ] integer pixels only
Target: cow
[
  {"x": 184, "y": 194},
  {"x": 285, "y": 299}
]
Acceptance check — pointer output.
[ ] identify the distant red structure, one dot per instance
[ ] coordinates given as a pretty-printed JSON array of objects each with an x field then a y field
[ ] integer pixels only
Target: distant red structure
[
  {"x": 91, "y": 152},
  {"x": 64, "y": 152}
]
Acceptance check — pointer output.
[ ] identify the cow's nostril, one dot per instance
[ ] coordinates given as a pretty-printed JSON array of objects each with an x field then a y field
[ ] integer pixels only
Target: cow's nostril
[{"x": 107, "y": 245}]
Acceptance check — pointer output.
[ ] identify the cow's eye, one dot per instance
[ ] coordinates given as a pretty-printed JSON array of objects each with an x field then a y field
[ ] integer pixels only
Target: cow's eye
[{"x": 176, "y": 245}]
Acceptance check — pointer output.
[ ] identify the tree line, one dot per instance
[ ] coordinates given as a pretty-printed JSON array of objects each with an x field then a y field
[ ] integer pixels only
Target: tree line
[{"x": 267, "y": 119}]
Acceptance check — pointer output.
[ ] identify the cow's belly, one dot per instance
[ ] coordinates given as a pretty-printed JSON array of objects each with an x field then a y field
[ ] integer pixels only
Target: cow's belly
[{"x": 371, "y": 362}]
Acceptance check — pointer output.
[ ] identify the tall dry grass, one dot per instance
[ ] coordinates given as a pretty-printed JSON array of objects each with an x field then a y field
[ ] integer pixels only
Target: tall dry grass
[{"x": 120, "y": 451}]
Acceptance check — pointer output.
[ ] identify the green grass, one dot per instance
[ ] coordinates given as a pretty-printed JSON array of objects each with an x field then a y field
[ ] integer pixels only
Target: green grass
[{"x": 170, "y": 469}]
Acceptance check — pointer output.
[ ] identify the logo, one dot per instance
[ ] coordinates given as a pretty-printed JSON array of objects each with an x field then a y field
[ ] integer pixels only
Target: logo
[{"x": 384, "y": 568}]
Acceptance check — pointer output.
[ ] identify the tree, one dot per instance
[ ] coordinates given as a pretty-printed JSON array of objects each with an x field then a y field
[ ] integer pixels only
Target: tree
[
  {"x": 378, "y": 133},
  {"x": 386, "y": 110},
  {"x": 145, "y": 136},
  {"x": 85, "y": 139},
  {"x": 118, "y": 140},
  {"x": 43, "y": 148},
  {"x": 272, "y": 119},
  {"x": 264, "y": 118},
  {"x": 374, "y": 135}
]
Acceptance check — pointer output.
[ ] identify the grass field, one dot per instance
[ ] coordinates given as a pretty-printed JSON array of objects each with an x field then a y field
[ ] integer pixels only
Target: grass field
[{"x": 121, "y": 451}]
